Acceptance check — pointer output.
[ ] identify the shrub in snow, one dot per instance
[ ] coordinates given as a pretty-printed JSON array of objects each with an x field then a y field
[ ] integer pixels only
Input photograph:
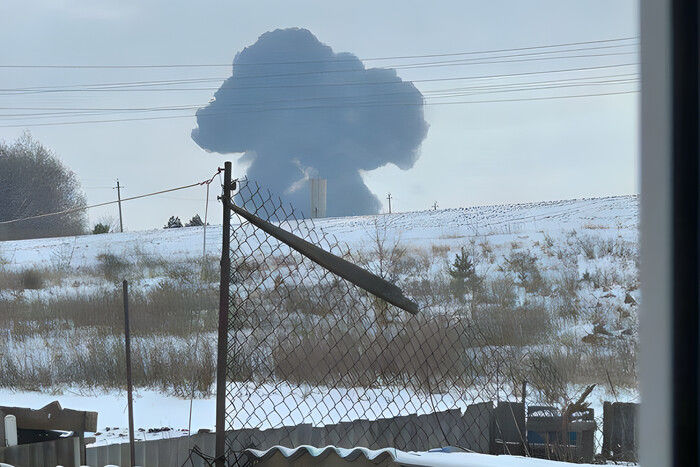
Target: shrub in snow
[
  {"x": 112, "y": 266},
  {"x": 31, "y": 279},
  {"x": 501, "y": 291},
  {"x": 527, "y": 274}
]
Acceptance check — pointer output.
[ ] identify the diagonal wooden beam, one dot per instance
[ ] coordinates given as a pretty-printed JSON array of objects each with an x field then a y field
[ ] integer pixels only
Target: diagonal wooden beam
[{"x": 351, "y": 272}]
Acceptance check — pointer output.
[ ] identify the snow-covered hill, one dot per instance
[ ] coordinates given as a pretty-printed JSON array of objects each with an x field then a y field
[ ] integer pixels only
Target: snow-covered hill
[
  {"x": 586, "y": 251},
  {"x": 612, "y": 215}
]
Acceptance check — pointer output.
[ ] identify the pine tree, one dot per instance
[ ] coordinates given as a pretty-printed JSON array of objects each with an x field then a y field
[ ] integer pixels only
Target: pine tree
[
  {"x": 463, "y": 273},
  {"x": 173, "y": 223},
  {"x": 196, "y": 221},
  {"x": 100, "y": 228}
]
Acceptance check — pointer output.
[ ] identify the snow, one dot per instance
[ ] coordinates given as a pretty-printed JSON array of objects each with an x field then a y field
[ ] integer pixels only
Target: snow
[
  {"x": 526, "y": 224},
  {"x": 501, "y": 223},
  {"x": 264, "y": 406},
  {"x": 151, "y": 410}
]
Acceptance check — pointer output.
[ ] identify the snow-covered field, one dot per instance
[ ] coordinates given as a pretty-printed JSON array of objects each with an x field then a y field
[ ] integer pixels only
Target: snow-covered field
[
  {"x": 613, "y": 216},
  {"x": 593, "y": 240}
]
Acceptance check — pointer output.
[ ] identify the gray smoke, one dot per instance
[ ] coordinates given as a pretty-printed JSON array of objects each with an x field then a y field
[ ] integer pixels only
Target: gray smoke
[{"x": 290, "y": 108}]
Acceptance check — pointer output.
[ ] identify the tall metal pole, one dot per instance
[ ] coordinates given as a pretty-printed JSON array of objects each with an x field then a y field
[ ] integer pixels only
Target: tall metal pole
[
  {"x": 119, "y": 201},
  {"x": 129, "y": 386},
  {"x": 223, "y": 322},
  {"x": 388, "y": 196}
]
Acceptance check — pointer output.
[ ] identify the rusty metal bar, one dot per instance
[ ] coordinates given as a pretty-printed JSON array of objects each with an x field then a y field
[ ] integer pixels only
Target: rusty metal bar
[{"x": 129, "y": 385}]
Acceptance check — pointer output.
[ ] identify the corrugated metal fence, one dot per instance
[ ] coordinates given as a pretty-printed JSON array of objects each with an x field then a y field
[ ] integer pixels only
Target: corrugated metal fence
[
  {"x": 62, "y": 451},
  {"x": 471, "y": 430}
]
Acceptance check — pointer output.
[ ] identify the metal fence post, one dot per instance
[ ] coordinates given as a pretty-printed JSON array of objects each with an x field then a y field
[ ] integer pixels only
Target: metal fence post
[
  {"x": 222, "y": 348},
  {"x": 129, "y": 385}
]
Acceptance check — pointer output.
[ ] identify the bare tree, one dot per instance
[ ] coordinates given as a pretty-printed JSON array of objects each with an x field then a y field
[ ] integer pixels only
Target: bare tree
[
  {"x": 384, "y": 257},
  {"x": 34, "y": 181}
]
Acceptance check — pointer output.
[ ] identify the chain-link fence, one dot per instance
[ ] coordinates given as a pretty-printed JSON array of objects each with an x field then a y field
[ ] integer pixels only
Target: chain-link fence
[{"x": 313, "y": 359}]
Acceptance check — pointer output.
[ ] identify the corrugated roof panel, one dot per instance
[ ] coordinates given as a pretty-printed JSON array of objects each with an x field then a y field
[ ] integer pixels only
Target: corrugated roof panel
[
  {"x": 435, "y": 458},
  {"x": 376, "y": 456}
]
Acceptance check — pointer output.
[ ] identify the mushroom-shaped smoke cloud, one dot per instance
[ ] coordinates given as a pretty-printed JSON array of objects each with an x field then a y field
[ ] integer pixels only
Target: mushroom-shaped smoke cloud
[{"x": 299, "y": 110}]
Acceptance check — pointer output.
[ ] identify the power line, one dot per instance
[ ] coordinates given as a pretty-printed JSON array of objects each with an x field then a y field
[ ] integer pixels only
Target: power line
[
  {"x": 219, "y": 78},
  {"x": 322, "y": 107},
  {"x": 397, "y": 57},
  {"x": 430, "y": 101},
  {"x": 471, "y": 61},
  {"x": 334, "y": 106},
  {"x": 335, "y": 101},
  {"x": 84, "y": 208},
  {"x": 363, "y": 103},
  {"x": 431, "y": 94},
  {"x": 148, "y": 88},
  {"x": 429, "y": 91},
  {"x": 368, "y": 83}
]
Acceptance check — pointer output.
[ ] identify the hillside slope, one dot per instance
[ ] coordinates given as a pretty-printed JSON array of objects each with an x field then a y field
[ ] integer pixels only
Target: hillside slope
[
  {"x": 557, "y": 281},
  {"x": 616, "y": 215}
]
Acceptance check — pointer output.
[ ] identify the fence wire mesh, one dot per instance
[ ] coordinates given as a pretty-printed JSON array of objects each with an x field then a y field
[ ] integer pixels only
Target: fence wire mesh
[{"x": 313, "y": 359}]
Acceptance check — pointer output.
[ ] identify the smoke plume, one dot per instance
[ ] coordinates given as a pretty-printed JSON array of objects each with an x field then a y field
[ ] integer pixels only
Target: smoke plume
[{"x": 297, "y": 110}]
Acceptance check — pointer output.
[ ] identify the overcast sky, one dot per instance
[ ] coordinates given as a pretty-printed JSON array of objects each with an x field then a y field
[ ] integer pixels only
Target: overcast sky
[{"x": 474, "y": 154}]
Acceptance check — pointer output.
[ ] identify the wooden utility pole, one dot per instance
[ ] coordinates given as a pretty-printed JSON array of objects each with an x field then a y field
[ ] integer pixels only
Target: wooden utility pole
[
  {"x": 129, "y": 385},
  {"x": 119, "y": 201},
  {"x": 222, "y": 348},
  {"x": 388, "y": 197}
]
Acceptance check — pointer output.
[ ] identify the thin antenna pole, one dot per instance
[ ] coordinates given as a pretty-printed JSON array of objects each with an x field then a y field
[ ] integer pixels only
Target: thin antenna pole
[
  {"x": 388, "y": 197},
  {"x": 223, "y": 322},
  {"x": 129, "y": 386},
  {"x": 119, "y": 201}
]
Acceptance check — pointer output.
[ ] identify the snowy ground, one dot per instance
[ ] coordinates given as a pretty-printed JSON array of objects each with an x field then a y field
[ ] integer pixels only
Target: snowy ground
[
  {"x": 527, "y": 227},
  {"x": 500, "y": 223},
  {"x": 152, "y": 410},
  {"x": 158, "y": 416}
]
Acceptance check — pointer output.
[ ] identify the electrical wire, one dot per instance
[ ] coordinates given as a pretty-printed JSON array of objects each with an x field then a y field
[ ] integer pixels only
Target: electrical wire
[
  {"x": 430, "y": 97},
  {"x": 473, "y": 61},
  {"x": 176, "y": 107},
  {"x": 84, "y": 208},
  {"x": 427, "y": 80},
  {"x": 432, "y": 94},
  {"x": 168, "y": 117},
  {"x": 29, "y": 91},
  {"x": 396, "y": 57}
]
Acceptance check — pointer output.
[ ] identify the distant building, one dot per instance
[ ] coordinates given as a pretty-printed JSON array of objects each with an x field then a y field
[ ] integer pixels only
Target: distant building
[{"x": 318, "y": 197}]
